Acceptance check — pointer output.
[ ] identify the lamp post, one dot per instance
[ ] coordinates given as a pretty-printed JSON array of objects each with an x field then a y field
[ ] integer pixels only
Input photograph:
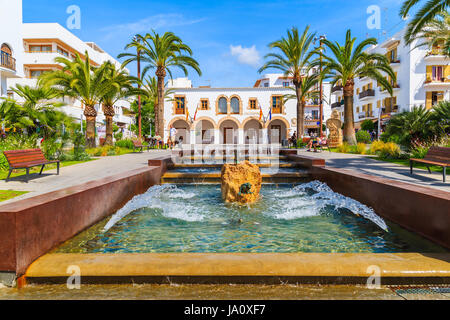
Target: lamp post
[
  {"x": 322, "y": 38},
  {"x": 139, "y": 87}
]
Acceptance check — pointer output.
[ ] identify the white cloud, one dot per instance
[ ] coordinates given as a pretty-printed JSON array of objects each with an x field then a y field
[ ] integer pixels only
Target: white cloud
[
  {"x": 248, "y": 56},
  {"x": 153, "y": 22}
]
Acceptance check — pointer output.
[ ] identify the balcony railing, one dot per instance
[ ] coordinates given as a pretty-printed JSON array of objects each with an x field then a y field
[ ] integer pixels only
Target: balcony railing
[
  {"x": 367, "y": 93},
  {"x": 336, "y": 88},
  {"x": 336, "y": 104},
  {"x": 394, "y": 60},
  {"x": 363, "y": 115},
  {"x": 7, "y": 61}
]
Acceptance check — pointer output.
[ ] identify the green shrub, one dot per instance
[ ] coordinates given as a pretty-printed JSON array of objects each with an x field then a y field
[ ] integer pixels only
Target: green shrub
[
  {"x": 126, "y": 143},
  {"x": 419, "y": 152},
  {"x": 376, "y": 146},
  {"x": 344, "y": 148},
  {"x": 363, "y": 137},
  {"x": 118, "y": 136},
  {"x": 367, "y": 125},
  {"x": 361, "y": 148},
  {"x": 390, "y": 150}
]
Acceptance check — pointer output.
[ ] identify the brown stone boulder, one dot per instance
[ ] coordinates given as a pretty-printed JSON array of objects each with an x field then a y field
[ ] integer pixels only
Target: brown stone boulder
[{"x": 241, "y": 183}]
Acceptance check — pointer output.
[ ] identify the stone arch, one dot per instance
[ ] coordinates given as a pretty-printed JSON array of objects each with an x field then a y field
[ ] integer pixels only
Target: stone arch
[
  {"x": 183, "y": 129},
  {"x": 278, "y": 129},
  {"x": 205, "y": 130},
  {"x": 253, "y": 131},
  {"x": 6, "y": 48},
  {"x": 229, "y": 130}
]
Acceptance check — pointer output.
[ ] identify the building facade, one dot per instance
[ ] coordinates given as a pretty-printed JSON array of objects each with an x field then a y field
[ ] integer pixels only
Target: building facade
[
  {"x": 31, "y": 50},
  {"x": 252, "y": 115},
  {"x": 423, "y": 78}
]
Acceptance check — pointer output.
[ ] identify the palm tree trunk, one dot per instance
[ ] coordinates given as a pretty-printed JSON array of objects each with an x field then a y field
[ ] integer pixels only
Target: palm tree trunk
[
  {"x": 90, "y": 132},
  {"x": 161, "y": 74},
  {"x": 109, "y": 114},
  {"x": 300, "y": 113},
  {"x": 91, "y": 114},
  {"x": 349, "y": 119}
]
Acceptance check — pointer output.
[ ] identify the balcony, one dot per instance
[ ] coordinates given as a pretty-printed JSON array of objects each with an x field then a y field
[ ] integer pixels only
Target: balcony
[
  {"x": 369, "y": 93},
  {"x": 436, "y": 56},
  {"x": 8, "y": 62},
  {"x": 338, "y": 88},
  {"x": 437, "y": 84},
  {"x": 394, "y": 61},
  {"x": 337, "y": 104},
  {"x": 365, "y": 115}
]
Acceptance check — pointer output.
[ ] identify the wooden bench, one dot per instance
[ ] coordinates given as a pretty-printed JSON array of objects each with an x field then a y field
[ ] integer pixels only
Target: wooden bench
[
  {"x": 436, "y": 156},
  {"x": 138, "y": 145},
  {"x": 26, "y": 159}
]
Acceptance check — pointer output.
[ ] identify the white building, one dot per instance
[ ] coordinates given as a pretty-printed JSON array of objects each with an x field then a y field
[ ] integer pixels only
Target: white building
[
  {"x": 423, "y": 78},
  {"x": 31, "y": 50},
  {"x": 206, "y": 115}
]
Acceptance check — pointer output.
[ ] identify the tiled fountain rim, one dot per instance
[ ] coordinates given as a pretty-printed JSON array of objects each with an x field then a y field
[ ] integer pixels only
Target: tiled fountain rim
[
  {"x": 346, "y": 268},
  {"x": 27, "y": 227}
]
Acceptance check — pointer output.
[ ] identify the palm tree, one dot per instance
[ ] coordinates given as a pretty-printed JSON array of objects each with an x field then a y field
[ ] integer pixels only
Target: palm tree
[
  {"x": 293, "y": 59},
  {"x": 436, "y": 33},
  {"x": 308, "y": 91},
  {"x": 423, "y": 16},
  {"x": 39, "y": 109},
  {"x": 162, "y": 53},
  {"x": 349, "y": 62},
  {"x": 79, "y": 79},
  {"x": 120, "y": 85},
  {"x": 150, "y": 90}
]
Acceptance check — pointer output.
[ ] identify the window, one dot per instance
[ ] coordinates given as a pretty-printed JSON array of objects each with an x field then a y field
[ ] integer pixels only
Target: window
[
  {"x": 235, "y": 105},
  {"x": 252, "y": 104},
  {"x": 437, "y": 73},
  {"x": 223, "y": 106},
  {"x": 436, "y": 97},
  {"x": 266, "y": 85},
  {"x": 41, "y": 48},
  {"x": 204, "y": 104},
  {"x": 315, "y": 114},
  {"x": 180, "y": 103},
  {"x": 37, "y": 73},
  {"x": 276, "y": 104},
  {"x": 63, "y": 52},
  {"x": 286, "y": 84}
]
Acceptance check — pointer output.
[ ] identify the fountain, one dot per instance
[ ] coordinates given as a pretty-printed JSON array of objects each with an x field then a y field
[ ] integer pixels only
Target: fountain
[{"x": 241, "y": 183}]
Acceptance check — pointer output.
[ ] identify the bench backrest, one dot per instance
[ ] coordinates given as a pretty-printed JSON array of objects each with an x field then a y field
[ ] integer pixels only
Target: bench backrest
[
  {"x": 17, "y": 158},
  {"x": 438, "y": 154}
]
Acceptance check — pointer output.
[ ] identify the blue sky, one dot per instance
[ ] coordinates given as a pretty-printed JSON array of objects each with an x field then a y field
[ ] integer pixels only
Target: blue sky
[{"x": 229, "y": 38}]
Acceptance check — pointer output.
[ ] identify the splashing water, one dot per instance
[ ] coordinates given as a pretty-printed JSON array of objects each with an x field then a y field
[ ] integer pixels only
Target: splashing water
[
  {"x": 323, "y": 196},
  {"x": 157, "y": 197},
  {"x": 306, "y": 200}
]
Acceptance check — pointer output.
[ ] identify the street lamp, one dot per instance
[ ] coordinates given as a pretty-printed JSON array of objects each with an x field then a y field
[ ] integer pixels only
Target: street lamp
[
  {"x": 136, "y": 39},
  {"x": 322, "y": 38}
]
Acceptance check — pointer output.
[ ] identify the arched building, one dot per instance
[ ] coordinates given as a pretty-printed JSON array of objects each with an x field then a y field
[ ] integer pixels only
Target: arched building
[{"x": 233, "y": 115}]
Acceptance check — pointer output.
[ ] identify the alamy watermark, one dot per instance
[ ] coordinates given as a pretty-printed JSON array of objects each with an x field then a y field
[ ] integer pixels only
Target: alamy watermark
[
  {"x": 74, "y": 19},
  {"x": 374, "y": 280},
  {"x": 374, "y": 19},
  {"x": 74, "y": 280}
]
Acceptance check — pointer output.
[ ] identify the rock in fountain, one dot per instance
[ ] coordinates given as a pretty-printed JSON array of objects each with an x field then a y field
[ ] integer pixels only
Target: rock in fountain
[{"x": 241, "y": 183}]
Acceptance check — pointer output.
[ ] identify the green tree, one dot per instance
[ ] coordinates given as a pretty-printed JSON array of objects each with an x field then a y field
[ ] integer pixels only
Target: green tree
[
  {"x": 423, "y": 16},
  {"x": 308, "y": 91},
  {"x": 436, "y": 34},
  {"x": 348, "y": 62},
  {"x": 81, "y": 80},
  {"x": 162, "y": 54},
  {"x": 147, "y": 114},
  {"x": 295, "y": 54},
  {"x": 39, "y": 110},
  {"x": 120, "y": 85}
]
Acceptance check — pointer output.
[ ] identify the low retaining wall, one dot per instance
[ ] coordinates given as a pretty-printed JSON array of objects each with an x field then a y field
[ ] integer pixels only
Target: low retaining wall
[
  {"x": 30, "y": 228},
  {"x": 423, "y": 210}
]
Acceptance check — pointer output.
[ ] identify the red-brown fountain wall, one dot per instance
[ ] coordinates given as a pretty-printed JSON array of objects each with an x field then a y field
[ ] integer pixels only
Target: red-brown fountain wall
[
  {"x": 423, "y": 210},
  {"x": 31, "y": 227}
]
